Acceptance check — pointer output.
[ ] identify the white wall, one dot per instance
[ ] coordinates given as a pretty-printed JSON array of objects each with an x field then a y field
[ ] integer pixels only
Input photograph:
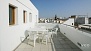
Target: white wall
[
  {"x": 10, "y": 35},
  {"x": 69, "y": 21},
  {"x": 49, "y": 25},
  {"x": 86, "y": 20},
  {"x": 77, "y": 36}
]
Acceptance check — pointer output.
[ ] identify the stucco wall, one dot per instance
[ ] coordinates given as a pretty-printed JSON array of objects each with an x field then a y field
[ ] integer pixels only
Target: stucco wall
[
  {"x": 10, "y": 34},
  {"x": 86, "y": 20},
  {"x": 77, "y": 36},
  {"x": 52, "y": 25},
  {"x": 70, "y": 21}
]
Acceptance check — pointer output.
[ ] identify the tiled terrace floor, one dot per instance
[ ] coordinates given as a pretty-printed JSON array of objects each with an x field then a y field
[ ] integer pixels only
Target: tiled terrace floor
[{"x": 59, "y": 43}]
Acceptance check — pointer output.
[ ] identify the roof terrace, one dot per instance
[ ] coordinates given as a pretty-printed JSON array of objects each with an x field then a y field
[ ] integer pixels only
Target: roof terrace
[{"x": 59, "y": 43}]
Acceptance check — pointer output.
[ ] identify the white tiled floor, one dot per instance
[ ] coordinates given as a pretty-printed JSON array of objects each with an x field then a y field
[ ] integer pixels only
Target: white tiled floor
[
  {"x": 59, "y": 43},
  {"x": 39, "y": 47}
]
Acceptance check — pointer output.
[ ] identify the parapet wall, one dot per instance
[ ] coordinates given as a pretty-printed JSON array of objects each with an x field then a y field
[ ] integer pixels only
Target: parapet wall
[{"x": 81, "y": 39}]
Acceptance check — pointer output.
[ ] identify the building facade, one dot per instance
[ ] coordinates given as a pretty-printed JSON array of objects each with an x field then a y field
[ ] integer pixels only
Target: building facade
[
  {"x": 90, "y": 20},
  {"x": 16, "y": 16},
  {"x": 82, "y": 20}
]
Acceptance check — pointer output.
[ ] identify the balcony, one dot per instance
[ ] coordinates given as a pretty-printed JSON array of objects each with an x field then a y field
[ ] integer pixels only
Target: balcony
[{"x": 59, "y": 43}]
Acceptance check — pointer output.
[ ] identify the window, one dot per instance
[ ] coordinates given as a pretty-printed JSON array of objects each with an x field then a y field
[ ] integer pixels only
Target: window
[
  {"x": 11, "y": 15},
  {"x": 24, "y": 16},
  {"x": 30, "y": 17}
]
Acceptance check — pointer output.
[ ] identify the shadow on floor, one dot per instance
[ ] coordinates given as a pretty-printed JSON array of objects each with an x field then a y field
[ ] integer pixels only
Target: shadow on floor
[{"x": 62, "y": 43}]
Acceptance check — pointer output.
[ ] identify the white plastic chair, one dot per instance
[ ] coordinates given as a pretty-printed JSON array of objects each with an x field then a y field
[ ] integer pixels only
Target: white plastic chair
[
  {"x": 33, "y": 36},
  {"x": 45, "y": 37},
  {"x": 40, "y": 35},
  {"x": 54, "y": 31},
  {"x": 50, "y": 33}
]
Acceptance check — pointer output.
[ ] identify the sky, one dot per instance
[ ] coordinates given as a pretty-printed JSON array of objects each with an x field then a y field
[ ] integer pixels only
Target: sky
[{"x": 62, "y": 8}]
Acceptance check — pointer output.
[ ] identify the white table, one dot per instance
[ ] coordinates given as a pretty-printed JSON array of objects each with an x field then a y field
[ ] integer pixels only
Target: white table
[{"x": 38, "y": 30}]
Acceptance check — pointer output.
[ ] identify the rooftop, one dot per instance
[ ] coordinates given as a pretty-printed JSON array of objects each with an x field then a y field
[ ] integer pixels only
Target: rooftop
[{"x": 59, "y": 43}]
